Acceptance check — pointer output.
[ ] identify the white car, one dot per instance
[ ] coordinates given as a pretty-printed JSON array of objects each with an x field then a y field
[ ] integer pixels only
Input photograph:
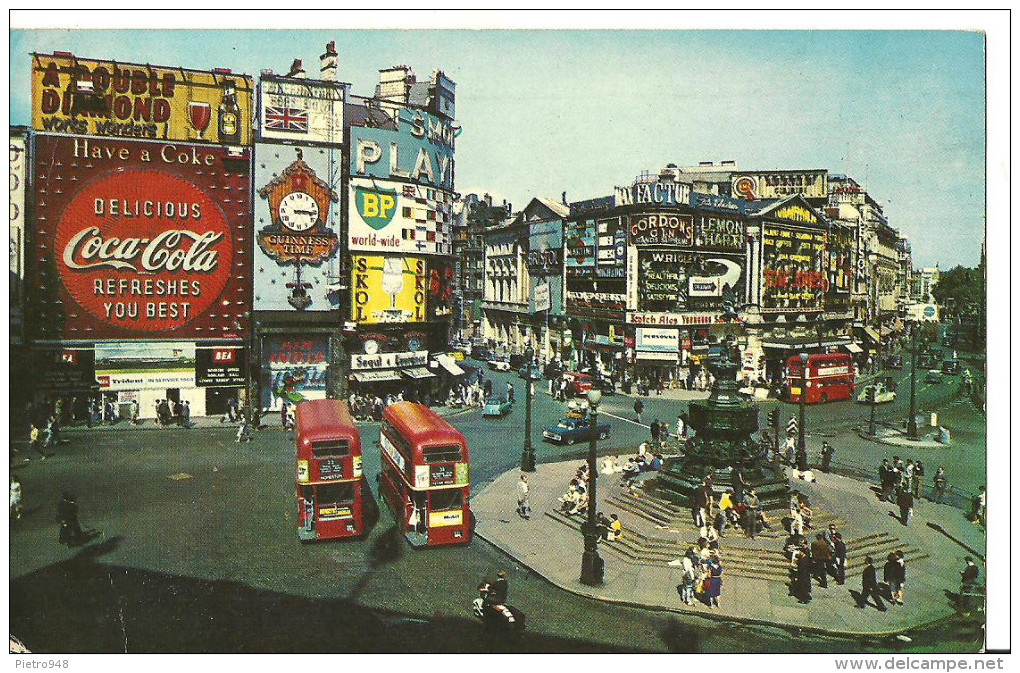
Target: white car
[
  {"x": 882, "y": 395},
  {"x": 499, "y": 365}
]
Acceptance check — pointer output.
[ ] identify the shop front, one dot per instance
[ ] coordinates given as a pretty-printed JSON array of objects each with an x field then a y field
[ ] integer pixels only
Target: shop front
[{"x": 407, "y": 373}]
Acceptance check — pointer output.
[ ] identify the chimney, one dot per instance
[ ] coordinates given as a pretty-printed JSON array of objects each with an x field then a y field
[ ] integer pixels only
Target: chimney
[
  {"x": 704, "y": 163},
  {"x": 328, "y": 62},
  {"x": 296, "y": 69},
  {"x": 563, "y": 198},
  {"x": 729, "y": 162}
]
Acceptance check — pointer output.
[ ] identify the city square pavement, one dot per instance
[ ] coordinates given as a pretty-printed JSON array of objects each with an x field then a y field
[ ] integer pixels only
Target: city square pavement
[{"x": 553, "y": 551}]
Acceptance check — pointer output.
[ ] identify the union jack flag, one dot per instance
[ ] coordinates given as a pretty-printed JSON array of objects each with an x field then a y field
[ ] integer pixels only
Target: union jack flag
[{"x": 287, "y": 119}]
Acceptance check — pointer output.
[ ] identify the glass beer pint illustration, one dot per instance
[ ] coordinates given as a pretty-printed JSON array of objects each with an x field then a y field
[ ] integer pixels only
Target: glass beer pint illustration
[{"x": 393, "y": 281}]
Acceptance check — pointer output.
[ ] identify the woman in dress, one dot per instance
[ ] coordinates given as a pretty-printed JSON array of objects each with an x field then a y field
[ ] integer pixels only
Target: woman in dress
[{"x": 714, "y": 581}]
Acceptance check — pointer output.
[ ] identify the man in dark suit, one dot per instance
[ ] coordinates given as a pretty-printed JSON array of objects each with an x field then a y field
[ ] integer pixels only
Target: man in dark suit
[
  {"x": 839, "y": 558},
  {"x": 869, "y": 586},
  {"x": 500, "y": 589}
]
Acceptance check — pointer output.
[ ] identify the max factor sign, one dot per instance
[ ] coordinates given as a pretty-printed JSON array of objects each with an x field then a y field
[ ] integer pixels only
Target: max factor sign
[{"x": 659, "y": 193}]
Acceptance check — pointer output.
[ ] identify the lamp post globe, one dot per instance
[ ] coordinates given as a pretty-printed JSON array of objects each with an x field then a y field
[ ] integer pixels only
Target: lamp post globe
[
  {"x": 801, "y": 448},
  {"x": 592, "y": 566},
  {"x": 528, "y": 454}
]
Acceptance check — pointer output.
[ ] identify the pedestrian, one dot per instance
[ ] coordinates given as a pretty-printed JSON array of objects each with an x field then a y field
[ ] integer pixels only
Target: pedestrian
[
  {"x": 917, "y": 482},
  {"x": 977, "y": 507},
  {"x": 715, "y": 573},
  {"x": 802, "y": 573},
  {"x": 869, "y": 586},
  {"x": 232, "y": 409},
  {"x": 827, "y": 452},
  {"x": 500, "y": 589},
  {"x": 37, "y": 440},
  {"x": 701, "y": 497},
  {"x": 892, "y": 575},
  {"x": 940, "y": 483},
  {"x": 523, "y": 505},
  {"x": 968, "y": 580},
  {"x": 839, "y": 558},
  {"x": 510, "y": 391},
  {"x": 689, "y": 578},
  {"x": 790, "y": 445},
  {"x": 283, "y": 414},
  {"x": 887, "y": 478},
  {"x": 15, "y": 498},
  {"x": 821, "y": 556},
  {"x": 681, "y": 429},
  {"x": 905, "y": 501},
  {"x": 753, "y": 512},
  {"x": 656, "y": 431},
  {"x": 67, "y": 516},
  {"x": 186, "y": 414},
  {"x": 906, "y": 475},
  {"x": 902, "y": 561},
  {"x": 134, "y": 412},
  {"x": 639, "y": 406}
]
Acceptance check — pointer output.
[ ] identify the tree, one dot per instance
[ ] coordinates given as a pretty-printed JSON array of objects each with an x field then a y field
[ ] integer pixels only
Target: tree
[{"x": 960, "y": 292}]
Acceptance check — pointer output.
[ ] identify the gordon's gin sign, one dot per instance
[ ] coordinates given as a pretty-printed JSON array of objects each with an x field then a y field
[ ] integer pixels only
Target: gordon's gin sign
[{"x": 146, "y": 250}]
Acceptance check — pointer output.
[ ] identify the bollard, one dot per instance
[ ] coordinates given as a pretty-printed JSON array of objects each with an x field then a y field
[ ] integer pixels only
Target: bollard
[
  {"x": 943, "y": 435},
  {"x": 934, "y": 419}
]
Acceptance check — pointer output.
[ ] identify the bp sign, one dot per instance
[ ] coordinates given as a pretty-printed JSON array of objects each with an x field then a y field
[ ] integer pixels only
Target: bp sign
[{"x": 376, "y": 206}]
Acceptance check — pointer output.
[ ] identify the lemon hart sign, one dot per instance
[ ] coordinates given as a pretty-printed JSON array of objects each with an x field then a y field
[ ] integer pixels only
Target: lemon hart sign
[{"x": 140, "y": 240}]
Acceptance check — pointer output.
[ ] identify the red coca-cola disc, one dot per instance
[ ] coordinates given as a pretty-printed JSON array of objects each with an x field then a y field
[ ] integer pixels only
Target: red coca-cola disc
[{"x": 143, "y": 250}]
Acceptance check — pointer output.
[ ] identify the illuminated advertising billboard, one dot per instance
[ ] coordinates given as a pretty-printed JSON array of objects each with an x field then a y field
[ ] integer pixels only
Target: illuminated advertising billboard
[
  {"x": 387, "y": 289},
  {"x": 440, "y": 288},
  {"x": 399, "y": 217},
  {"x": 150, "y": 366},
  {"x": 813, "y": 184},
  {"x": 793, "y": 274},
  {"x": 672, "y": 282},
  {"x": 420, "y": 150},
  {"x": 301, "y": 110},
  {"x": 293, "y": 369},
  {"x": 579, "y": 244},
  {"x": 297, "y": 217},
  {"x": 78, "y": 96},
  {"x": 662, "y": 229},
  {"x": 140, "y": 240}
]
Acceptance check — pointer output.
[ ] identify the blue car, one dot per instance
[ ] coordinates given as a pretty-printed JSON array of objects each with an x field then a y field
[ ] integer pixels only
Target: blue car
[
  {"x": 497, "y": 407},
  {"x": 571, "y": 430}
]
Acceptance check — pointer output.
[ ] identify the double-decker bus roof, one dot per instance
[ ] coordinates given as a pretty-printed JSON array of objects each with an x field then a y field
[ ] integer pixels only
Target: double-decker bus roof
[
  {"x": 420, "y": 425},
  {"x": 325, "y": 419}
]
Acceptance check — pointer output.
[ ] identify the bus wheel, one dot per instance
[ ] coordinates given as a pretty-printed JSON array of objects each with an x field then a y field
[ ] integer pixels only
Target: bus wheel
[
  {"x": 569, "y": 440},
  {"x": 603, "y": 435}
]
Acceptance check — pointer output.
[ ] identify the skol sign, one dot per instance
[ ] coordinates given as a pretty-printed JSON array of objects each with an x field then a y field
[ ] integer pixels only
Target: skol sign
[{"x": 387, "y": 289}]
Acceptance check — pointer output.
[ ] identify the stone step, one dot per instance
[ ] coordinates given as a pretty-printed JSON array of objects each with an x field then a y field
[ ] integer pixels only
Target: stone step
[
  {"x": 664, "y": 507},
  {"x": 634, "y": 506}
]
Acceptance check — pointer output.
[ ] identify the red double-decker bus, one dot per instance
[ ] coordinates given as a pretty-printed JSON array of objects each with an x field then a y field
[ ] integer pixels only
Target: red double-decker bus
[
  {"x": 830, "y": 377},
  {"x": 424, "y": 477},
  {"x": 329, "y": 473}
]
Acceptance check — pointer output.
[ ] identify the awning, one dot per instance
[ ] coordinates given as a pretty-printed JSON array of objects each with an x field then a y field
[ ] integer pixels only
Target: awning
[
  {"x": 654, "y": 355},
  {"x": 594, "y": 346},
  {"x": 853, "y": 348},
  {"x": 450, "y": 365},
  {"x": 417, "y": 373},
  {"x": 386, "y": 375},
  {"x": 872, "y": 334}
]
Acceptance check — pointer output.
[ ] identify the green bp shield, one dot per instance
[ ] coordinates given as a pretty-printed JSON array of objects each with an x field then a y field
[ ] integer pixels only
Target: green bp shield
[{"x": 376, "y": 206}]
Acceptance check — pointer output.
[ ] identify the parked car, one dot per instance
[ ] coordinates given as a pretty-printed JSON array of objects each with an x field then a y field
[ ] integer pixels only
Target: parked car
[
  {"x": 881, "y": 392},
  {"x": 605, "y": 384},
  {"x": 577, "y": 383},
  {"x": 481, "y": 353},
  {"x": 498, "y": 364},
  {"x": 571, "y": 430},
  {"x": 497, "y": 406},
  {"x": 523, "y": 371}
]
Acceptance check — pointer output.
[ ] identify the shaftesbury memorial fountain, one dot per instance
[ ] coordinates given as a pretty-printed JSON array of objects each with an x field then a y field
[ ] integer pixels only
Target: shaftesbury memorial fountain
[{"x": 725, "y": 447}]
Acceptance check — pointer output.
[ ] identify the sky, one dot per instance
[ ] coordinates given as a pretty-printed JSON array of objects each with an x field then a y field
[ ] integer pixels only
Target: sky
[{"x": 580, "y": 111}]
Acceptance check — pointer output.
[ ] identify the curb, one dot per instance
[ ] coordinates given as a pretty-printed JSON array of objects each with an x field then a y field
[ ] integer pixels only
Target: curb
[
  {"x": 792, "y": 628},
  {"x": 906, "y": 443}
]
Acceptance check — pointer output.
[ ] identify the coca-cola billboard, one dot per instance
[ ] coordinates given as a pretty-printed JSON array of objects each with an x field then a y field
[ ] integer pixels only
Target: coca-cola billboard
[{"x": 140, "y": 239}]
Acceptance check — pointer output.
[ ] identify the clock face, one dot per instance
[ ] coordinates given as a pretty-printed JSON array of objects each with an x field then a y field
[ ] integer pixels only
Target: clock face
[
  {"x": 371, "y": 347},
  {"x": 298, "y": 211}
]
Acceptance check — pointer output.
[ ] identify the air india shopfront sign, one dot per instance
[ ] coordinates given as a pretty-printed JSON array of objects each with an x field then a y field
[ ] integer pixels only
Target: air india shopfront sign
[{"x": 140, "y": 240}]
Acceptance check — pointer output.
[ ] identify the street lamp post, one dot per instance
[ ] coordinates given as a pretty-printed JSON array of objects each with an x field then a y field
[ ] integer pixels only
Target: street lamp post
[
  {"x": 801, "y": 448},
  {"x": 912, "y": 422},
  {"x": 874, "y": 382},
  {"x": 592, "y": 566},
  {"x": 528, "y": 455}
]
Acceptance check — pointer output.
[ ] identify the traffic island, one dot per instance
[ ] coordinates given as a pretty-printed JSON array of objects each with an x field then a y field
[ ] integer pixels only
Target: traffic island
[{"x": 756, "y": 573}]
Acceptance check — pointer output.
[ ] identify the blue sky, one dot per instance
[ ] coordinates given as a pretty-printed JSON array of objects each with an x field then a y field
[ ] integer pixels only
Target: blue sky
[{"x": 580, "y": 111}]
